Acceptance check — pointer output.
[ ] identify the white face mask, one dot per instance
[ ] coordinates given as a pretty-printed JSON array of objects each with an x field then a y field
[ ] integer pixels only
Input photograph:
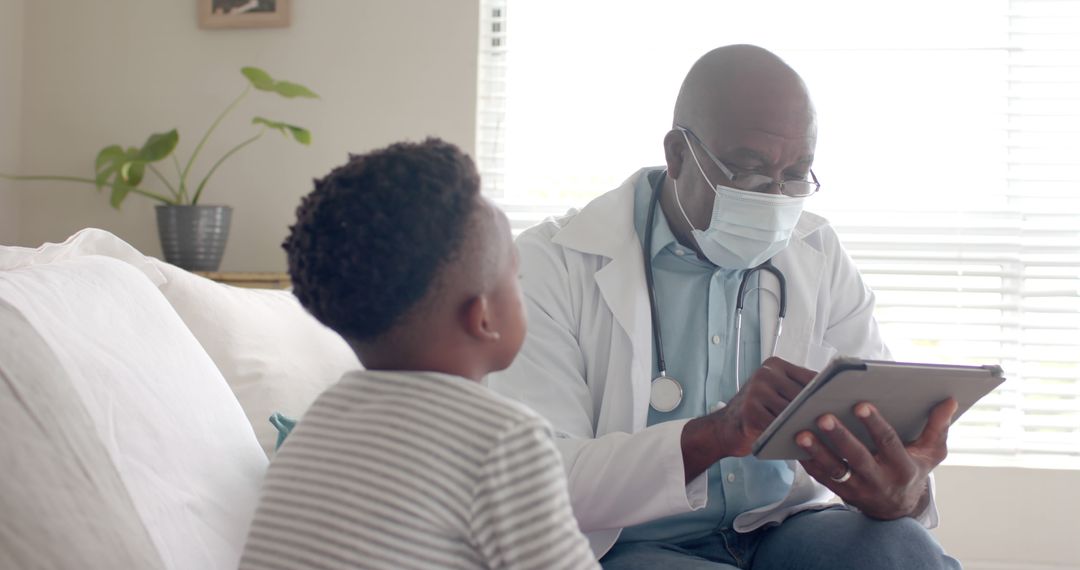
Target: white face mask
[{"x": 747, "y": 228}]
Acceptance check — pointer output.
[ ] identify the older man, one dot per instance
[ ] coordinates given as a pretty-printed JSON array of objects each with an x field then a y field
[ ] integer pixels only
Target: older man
[{"x": 655, "y": 394}]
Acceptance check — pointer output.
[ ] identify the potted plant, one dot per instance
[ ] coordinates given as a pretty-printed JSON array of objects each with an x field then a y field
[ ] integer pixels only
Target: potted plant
[{"x": 193, "y": 235}]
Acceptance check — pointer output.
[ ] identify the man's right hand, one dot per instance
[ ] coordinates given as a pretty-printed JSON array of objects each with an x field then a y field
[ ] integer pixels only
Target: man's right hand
[
  {"x": 732, "y": 430},
  {"x": 768, "y": 392}
]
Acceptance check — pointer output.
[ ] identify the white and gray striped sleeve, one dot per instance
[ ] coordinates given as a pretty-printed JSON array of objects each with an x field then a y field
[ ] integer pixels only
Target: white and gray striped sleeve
[{"x": 521, "y": 517}]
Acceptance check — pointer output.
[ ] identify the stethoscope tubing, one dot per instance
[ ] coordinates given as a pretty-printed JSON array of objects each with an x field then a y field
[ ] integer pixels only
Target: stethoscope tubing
[{"x": 649, "y": 281}]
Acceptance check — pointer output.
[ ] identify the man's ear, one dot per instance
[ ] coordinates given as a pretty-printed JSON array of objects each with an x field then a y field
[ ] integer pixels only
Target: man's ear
[
  {"x": 674, "y": 151},
  {"x": 477, "y": 318}
]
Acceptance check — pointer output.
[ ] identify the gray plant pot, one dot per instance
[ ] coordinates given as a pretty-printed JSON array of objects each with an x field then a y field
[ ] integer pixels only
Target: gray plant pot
[{"x": 193, "y": 237}]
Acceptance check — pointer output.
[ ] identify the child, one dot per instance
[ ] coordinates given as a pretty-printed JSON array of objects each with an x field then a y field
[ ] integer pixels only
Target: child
[{"x": 413, "y": 463}]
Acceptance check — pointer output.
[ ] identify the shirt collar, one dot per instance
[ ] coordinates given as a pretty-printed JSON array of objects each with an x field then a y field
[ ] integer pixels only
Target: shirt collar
[{"x": 643, "y": 191}]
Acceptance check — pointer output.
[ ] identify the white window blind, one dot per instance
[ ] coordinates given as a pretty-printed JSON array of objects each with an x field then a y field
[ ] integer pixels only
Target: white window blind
[
  {"x": 948, "y": 151},
  {"x": 491, "y": 96}
]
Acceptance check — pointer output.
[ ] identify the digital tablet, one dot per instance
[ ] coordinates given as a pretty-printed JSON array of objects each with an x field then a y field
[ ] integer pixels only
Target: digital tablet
[{"x": 903, "y": 392}]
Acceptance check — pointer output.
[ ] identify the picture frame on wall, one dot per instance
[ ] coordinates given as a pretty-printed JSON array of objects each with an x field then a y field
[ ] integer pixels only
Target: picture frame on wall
[{"x": 217, "y": 14}]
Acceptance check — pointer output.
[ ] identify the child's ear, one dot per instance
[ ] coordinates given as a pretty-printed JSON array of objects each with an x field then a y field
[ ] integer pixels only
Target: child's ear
[{"x": 478, "y": 321}]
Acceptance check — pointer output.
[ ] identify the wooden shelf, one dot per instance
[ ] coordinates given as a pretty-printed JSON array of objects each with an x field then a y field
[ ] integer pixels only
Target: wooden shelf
[{"x": 249, "y": 280}]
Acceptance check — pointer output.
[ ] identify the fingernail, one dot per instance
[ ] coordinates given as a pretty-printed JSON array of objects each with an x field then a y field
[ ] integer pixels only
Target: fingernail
[
  {"x": 803, "y": 440},
  {"x": 827, "y": 423},
  {"x": 862, "y": 410}
]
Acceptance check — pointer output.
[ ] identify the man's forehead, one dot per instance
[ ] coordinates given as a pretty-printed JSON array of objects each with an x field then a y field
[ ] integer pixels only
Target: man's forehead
[
  {"x": 788, "y": 114},
  {"x": 751, "y": 135},
  {"x": 761, "y": 143},
  {"x": 762, "y": 129}
]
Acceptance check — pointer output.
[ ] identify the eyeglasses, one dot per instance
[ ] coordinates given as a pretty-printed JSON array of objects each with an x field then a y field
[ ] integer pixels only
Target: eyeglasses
[{"x": 759, "y": 182}]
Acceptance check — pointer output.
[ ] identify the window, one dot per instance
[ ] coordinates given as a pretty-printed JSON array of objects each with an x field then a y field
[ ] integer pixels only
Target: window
[{"x": 947, "y": 153}]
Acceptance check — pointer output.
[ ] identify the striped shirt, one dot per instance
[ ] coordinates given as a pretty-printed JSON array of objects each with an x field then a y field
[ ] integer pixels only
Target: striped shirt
[{"x": 416, "y": 470}]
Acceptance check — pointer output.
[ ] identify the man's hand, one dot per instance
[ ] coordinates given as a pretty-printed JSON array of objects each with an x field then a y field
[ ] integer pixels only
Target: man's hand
[
  {"x": 888, "y": 484},
  {"x": 732, "y": 430},
  {"x": 770, "y": 389}
]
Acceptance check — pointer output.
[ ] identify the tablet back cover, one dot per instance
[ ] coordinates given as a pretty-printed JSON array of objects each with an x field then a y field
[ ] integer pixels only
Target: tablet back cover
[{"x": 903, "y": 392}]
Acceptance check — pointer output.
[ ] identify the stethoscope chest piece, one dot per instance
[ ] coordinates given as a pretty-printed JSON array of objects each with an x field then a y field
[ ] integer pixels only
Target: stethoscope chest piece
[{"x": 665, "y": 394}]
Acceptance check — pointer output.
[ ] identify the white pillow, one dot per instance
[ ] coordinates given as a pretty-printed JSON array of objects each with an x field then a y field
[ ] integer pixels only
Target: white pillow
[
  {"x": 89, "y": 241},
  {"x": 274, "y": 354},
  {"x": 171, "y": 427},
  {"x": 59, "y": 485}
]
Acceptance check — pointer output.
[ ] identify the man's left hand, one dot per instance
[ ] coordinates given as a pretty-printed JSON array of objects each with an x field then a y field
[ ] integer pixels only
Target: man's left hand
[{"x": 888, "y": 484}]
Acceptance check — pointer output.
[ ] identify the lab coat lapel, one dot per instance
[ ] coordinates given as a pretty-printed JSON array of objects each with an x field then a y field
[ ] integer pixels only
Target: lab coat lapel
[
  {"x": 803, "y": 267},
  {"x": 629, "y": 305},
  {"x": 605, "y": 227}
]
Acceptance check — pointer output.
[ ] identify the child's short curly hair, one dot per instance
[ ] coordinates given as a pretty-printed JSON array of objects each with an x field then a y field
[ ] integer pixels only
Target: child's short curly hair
[{"x": 374, "y": 235}]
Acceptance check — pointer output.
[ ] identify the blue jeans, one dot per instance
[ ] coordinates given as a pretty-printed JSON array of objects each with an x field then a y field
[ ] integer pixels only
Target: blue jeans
[{"x": 833, "y": 539}]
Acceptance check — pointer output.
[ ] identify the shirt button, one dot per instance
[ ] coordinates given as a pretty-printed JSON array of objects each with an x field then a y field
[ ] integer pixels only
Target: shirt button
[
  {"x": 716, "y": 339},
  {"x": 680, "y": 252},
  {"x": 730, "y": 477}
]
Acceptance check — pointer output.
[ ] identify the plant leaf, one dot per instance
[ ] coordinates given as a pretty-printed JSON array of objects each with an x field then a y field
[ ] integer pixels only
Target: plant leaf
[
  {"x": 119, "y": 192},
  {"x": 290, "y": 90},
  {"x": 276, "y": 125},
  {"x": 302, "y": 135},
  {"x": 259, "y": 79},
  {"x": 158, "y": 146},
  {"x": 108, "y": 155},
  {"x": 102, "y": 177},
  {"x": 262, "y": 81},
  {"x": 131, "y": 173},
  {"x": 107, "y": 163}
]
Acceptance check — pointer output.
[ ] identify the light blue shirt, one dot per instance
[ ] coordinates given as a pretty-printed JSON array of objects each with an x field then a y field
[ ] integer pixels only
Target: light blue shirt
[{"x": 696, "y": 303}]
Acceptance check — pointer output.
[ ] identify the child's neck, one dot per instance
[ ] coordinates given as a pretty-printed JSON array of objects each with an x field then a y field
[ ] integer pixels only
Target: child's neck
[{"x": 445, "y": 358}]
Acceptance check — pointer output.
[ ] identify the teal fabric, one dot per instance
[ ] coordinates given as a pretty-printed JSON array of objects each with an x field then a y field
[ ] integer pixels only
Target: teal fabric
[
  {"x": 696, "y": 301},
  {"x": 284, "y": 425}
]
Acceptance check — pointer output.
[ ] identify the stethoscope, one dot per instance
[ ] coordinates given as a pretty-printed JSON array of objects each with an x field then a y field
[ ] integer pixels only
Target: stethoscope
[{"x": 666, "y": 393}]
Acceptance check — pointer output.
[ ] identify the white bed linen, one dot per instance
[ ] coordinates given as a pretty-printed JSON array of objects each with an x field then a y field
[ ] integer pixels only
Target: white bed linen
[
  {"x": 275, "y": 356},
  {"x": 63, "y": 503},
  {"x": 177, "y": 437},
  {"x": 89, "y": 241}
]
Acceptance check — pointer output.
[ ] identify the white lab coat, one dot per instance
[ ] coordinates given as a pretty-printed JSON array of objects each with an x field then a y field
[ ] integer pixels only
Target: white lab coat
[{"x": 586, "y": 364}]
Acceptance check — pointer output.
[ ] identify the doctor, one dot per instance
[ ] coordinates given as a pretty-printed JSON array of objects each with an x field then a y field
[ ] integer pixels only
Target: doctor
[{"x": 657, "y": 458}]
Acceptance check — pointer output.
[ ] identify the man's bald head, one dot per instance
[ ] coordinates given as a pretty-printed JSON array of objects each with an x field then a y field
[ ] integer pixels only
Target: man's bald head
[
  {"x": 748, "y": 109},
  {"x": 742, "y": 86}
]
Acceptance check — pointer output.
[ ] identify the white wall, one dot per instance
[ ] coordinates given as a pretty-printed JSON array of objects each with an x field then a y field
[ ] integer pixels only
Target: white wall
[
  {"x": 1010, "y": 518},
  {"x": 11, "y": 62},
  {"x": 112, "y": 71}
]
